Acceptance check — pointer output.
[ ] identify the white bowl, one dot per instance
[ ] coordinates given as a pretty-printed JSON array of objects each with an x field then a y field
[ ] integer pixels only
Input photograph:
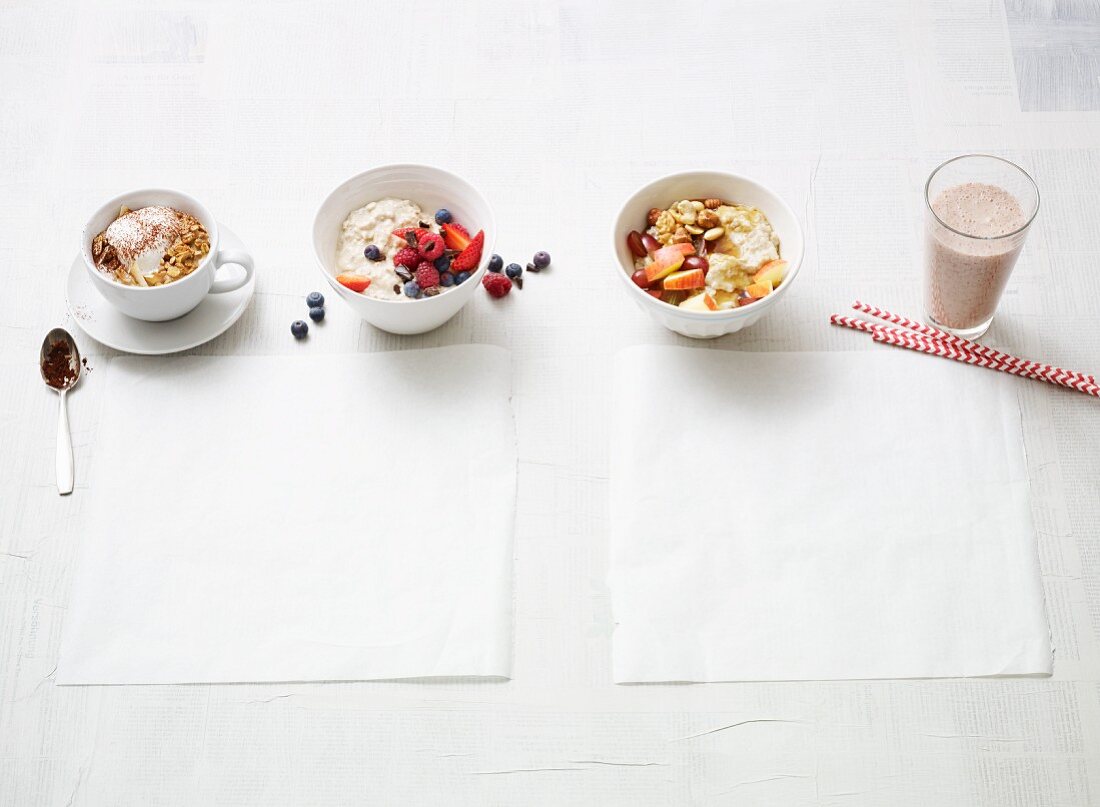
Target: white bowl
[
  {"x": 706, "y": 185},
  {"x": 431, "y": 188}
]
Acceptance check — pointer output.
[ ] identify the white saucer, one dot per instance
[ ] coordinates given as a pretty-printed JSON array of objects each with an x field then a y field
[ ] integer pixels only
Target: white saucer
[{"x": 109, "y": 326}]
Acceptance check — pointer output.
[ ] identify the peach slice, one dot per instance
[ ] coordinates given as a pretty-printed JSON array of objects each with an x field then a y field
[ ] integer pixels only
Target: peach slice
[
  {"x": 666, "y": 260},
  {"x": 700, "y": 302},
  {"x": 771, "y": 273},
  {"x": 686, "y": 279}
]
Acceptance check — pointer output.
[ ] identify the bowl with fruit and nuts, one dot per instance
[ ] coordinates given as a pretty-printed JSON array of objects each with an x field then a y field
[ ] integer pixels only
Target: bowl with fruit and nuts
[
  {"x": 405, "y": 246},
  {"x": 706, "y": 253}
]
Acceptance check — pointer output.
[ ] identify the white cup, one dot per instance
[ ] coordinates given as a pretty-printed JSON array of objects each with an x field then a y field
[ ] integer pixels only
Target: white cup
[{"x": 172, "y": 300}]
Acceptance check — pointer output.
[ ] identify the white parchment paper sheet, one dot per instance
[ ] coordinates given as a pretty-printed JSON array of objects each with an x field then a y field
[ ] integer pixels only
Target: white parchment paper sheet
[
  {"x": 780, "y": 516},
  {"x": 298, "y": 518}
]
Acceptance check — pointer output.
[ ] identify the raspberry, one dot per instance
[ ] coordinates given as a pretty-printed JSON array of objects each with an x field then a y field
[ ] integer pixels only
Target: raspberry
[
  {"x": 427, "y": 275},
  {"x": 496, "y": 285},
  {"x": 430, "y": 246},
  {"x": 407, "y": 257}
]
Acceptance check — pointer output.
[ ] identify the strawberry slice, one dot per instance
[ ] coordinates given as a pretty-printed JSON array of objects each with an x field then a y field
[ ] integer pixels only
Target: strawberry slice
[
  {"x": 455, "y": 236},
  {"x": 468, "y": 259},
  {"x": 350, "y": 280},
  {"x": 401, "y": 232}
]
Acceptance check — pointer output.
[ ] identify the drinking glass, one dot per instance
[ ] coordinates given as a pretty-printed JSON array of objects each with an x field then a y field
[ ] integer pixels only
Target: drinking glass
[{"x": 978, "y": 211}]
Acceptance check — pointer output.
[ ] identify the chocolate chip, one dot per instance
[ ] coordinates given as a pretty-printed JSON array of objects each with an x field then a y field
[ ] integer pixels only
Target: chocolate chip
[
  {"x": 403, "y": 273},
  {"x": 396, "y": 288},
  {"x": 532, "y": 268},
  {"x": 519, "y": 282}
]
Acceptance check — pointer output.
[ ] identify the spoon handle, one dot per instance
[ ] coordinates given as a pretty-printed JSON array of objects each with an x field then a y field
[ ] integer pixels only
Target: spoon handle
[{"x": 64, "y": 449}]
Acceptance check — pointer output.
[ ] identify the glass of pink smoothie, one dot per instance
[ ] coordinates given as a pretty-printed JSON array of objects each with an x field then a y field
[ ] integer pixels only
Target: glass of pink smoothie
[{"x": 978, "y": 210}]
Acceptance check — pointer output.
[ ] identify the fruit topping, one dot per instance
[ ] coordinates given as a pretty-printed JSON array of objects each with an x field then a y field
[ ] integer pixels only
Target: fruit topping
[
  {"x": 317, "y": 313},
  {"x": 696, "y": 262},
  {"x": 373, "y": 253},
  {"x": 299, "y": 328},
  {"x": 314, "y": 299},
  {"x": 455, "y": 236},
  {"x": 685, "y": 279},
  {"x": 410, "y": 235},
  {"x": 700, "y": 302},
  {"x": 513, "y": 270},
  {"x": 541, "y": 259},
  {"x": 430, "y": 246},
  {"x": 468, "y": 259},
  {"x": 357, "y": 283},
  {"x": 634, "y": 242},
  {"x": 407, "y": 257},
  {"x": 666, "y": 260},
  {"x": 496, "y": 263},
  {"x": 426, "y": 275},
  {"x": 771, "y": 274},
  {"x": 442, "y": 216}
]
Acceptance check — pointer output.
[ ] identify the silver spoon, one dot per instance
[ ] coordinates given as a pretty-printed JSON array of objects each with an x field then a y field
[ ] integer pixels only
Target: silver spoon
[{"x": 57, "y": 344}]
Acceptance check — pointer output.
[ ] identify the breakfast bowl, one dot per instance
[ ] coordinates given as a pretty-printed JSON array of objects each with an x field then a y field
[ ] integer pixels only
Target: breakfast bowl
[
  {"x": 699, "y": 185},
  {"x": 429, "y": 188}
]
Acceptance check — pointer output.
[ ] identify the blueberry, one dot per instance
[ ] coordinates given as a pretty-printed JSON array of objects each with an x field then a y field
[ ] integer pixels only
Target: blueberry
[
  {"x": 316, "y": 313},
  {"x": 496, "y": 263},
  {"x": 412, "y": 289},
  {"x": 299, "y": 329},
  {"x": 541, "y": 259},
  {"x": 442, "y": 216},
  {"x": 314, "y": 299},
  {"x": 514, "y": 270},
  {"x": 443, "y": 262},
  {"x": 461, "y": 278},
  {"x": 372, "y": 253},
  {"x": 446, "y": 279}
]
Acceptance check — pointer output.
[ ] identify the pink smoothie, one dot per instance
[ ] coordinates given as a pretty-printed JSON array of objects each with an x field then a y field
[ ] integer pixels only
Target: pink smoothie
[{"x": 965, "y": 276}]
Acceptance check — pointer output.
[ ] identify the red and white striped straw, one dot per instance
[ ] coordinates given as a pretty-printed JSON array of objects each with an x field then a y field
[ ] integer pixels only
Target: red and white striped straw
[
  {"x": 855, "y": 323},
  {"x": 1032, "y": 369},
  {"x": 925, "y": 343}
]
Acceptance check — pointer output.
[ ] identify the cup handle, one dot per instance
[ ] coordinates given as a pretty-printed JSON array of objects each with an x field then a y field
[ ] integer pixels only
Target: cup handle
[{"x": 238, "y": 257}]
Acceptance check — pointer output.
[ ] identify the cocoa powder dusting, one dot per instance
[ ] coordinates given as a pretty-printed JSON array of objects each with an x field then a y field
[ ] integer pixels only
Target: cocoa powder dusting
[{"x": 58, "y": 366}]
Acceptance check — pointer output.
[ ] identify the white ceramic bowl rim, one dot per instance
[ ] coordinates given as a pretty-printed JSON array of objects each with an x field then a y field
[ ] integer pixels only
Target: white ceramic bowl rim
[
  {"x": 488, "y": 228},
  {"x": 86, "y": 238},
  {"x": 793, "y": 261}
]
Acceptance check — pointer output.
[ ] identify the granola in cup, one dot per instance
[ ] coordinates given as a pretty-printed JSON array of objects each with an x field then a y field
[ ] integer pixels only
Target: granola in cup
[
  {"x": 150, "y": 246},
  {"x": 153, "y": 254}
]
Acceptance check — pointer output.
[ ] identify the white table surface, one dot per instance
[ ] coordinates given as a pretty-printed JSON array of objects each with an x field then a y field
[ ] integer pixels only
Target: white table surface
[{"x": 557, "y": 112}]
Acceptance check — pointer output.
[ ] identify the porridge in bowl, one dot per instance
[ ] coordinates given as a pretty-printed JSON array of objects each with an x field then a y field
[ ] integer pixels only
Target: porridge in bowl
[
  {"x": 389, "y": 249},
  {"x": 707, "y": 255}
]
